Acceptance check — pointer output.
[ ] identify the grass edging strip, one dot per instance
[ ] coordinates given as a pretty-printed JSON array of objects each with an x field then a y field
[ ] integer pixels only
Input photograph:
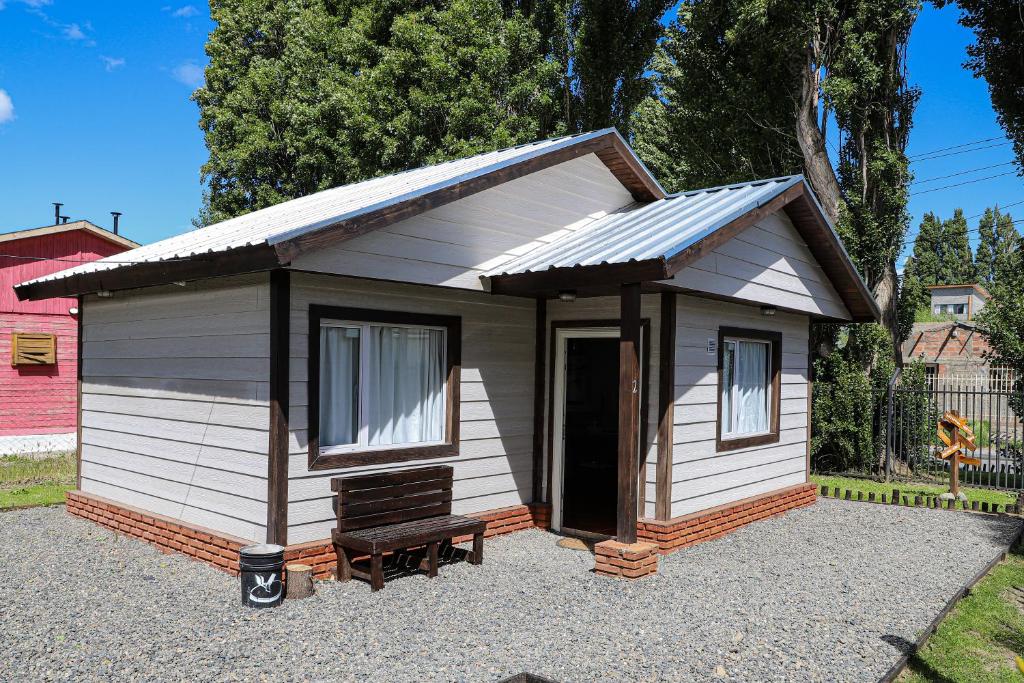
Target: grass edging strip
[{"x": 901, "y": 664}]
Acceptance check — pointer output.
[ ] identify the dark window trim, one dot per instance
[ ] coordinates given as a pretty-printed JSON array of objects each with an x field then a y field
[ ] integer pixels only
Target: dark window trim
[
  {"x": 453, "y": 354},
  {"x": 722, "y": 445}
]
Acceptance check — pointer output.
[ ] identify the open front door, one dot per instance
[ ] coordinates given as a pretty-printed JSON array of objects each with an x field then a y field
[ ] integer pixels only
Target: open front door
[{"x": 585, "y": 479}]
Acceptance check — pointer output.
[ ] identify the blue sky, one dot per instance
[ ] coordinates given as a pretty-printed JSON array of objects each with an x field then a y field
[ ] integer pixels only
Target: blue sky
[{"x": 102, "y": 119}]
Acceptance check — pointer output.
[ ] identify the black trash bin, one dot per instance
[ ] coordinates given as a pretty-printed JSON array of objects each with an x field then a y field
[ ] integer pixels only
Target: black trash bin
[{"x": 261, "y": 566}]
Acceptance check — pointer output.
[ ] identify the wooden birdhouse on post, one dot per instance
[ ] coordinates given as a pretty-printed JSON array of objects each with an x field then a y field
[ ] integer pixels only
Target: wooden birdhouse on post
[{"x": 957, "y": 435}]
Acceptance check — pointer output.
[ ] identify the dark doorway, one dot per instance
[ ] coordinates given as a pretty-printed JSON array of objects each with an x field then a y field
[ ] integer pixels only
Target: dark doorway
[{"x": 590, "y": 429}]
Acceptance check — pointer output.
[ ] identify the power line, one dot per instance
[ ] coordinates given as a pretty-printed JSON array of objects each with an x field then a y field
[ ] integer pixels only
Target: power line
[
  {"x": 943, "y": 149},
  {"x": 965, "y": 182},
  {"x": 963, "y": 151},
  {"x": 971, "y": 170}
]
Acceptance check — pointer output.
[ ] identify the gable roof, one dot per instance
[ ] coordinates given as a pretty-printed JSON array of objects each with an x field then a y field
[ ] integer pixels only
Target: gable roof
[
  {"x": 653, "y": 241},
  {"x": 275, "y": 235},
  {"x": 68, "y": 227}
]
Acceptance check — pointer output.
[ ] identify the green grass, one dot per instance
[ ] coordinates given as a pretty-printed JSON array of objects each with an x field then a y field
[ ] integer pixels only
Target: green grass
[
  {"x": 910, "y": 489},
  {"x": 979, "y": 640},
  {"x": 35, "y": 481}
]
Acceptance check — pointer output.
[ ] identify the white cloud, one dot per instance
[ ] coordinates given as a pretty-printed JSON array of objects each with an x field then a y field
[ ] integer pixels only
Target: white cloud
[
  {"x": 112, "y": 63},
  {"x": 185, "y": 12},
  {"x": 6, "y": 107},
  {"x": 74, "y": 32},
  {"x": 189, "y": 73}
]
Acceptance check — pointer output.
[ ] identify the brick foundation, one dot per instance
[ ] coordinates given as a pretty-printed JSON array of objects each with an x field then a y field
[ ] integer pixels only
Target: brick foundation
[
  {"x": 625, "y": 560},
  {"x": 166, "y": 533},
  {"x": 707, "y": 525},
  {"x": 221, "y": 550}
]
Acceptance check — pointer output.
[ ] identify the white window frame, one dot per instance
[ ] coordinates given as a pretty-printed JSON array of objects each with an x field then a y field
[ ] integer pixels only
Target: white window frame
[
  {"x": 363, "y": 445},
  {"x": 769, "y": 398}
]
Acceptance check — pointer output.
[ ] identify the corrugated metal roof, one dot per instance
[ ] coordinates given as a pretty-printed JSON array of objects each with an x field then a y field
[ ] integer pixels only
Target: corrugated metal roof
[
  {"x": 659, "y": 229},
  {"x": 297, "y": 217}
]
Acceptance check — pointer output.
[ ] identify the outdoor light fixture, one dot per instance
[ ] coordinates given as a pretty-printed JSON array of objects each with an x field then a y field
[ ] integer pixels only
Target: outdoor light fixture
[
  {"x": 567, "y": 295},
  {"x": 768, "y": 310},
  {"x": 73, "y": 310}
]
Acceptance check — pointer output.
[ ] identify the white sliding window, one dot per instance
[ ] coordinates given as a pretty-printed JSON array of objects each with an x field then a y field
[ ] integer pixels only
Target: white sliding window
[
  {"x": 746, "y": 387},
  {"x": 381, "y": 385}
]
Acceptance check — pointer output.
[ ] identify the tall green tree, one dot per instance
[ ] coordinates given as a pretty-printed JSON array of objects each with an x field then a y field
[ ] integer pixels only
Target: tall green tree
[
  {"x": 995, "y": 55},
  {"x": 310, "y": 94},
  {"x": 957, "y": 261},
  {"x": 750, "y": 89},
  {"x": 997, "y": 241},
  {"x": 612, "y": 45},
  {"x": 1002, "y": 323}
]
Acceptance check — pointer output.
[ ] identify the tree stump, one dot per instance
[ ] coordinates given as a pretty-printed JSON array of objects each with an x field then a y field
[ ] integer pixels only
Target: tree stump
[{"x": 300, "y": 581}]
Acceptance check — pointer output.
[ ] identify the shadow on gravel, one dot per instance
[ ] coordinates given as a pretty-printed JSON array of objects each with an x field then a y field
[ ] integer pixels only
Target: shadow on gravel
[{"x": 921, "y": 668}]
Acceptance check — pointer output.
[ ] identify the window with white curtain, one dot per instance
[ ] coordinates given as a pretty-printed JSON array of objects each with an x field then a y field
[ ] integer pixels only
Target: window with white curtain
[
  {"x": 381, "y": 385},
  {"x": 746, "y": 387}
]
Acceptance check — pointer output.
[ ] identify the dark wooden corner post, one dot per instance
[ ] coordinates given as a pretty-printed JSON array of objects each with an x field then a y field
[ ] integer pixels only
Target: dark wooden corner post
[
  {"x": 629, "y": 411},
  {"x": 277, "y": 465}
]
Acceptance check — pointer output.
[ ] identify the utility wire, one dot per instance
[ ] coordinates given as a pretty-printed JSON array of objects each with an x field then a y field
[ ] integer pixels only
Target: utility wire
[
  {"x": 944, "y": 149},
  {"x": 959, "y": 173},
  {"x": 963, "y": 151},
  {"x": 965, "y": 182}
]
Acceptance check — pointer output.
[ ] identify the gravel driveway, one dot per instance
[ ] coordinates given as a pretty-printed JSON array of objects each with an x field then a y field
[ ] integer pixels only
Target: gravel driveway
[{"x": 827, "y": 593}]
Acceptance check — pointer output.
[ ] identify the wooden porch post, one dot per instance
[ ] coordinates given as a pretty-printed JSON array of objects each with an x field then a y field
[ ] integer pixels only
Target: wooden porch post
[{"x": 629, "y": 411}]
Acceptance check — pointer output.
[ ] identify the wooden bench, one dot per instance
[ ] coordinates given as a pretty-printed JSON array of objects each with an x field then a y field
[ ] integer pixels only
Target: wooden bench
[{"x": 379, "y": 513}]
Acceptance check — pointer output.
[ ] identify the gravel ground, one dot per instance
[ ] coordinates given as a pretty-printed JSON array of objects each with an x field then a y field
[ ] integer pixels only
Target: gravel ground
[{"x": 827, "y": 593}]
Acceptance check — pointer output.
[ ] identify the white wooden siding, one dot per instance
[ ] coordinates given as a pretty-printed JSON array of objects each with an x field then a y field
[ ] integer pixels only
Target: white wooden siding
[
  {"x": 494, "y": 467},
  {"x": 768, "y": 263},
  {"x": 701, "y": 477},
  {"x": 175, "y": 401},
  {"x": 608, "y": 308},
  {"x": 455, "y": 244}
]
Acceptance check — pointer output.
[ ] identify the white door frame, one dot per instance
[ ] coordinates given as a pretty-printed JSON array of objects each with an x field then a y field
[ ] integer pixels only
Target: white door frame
[{"x": 562, "y": 335}]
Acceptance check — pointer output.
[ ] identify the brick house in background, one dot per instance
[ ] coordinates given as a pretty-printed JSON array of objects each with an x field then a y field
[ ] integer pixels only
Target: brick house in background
[
  {"x": 39, "y": 339},
  {"x": 954, "y": 352}
]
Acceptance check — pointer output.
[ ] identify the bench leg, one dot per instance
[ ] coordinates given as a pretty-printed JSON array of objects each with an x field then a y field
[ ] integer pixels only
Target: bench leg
[
  {"x": 478, "y": 549},
  {"x": 432, "y": 557},
  {"x": 344, "y": 572},
  {"x": 377, "y": 572}
]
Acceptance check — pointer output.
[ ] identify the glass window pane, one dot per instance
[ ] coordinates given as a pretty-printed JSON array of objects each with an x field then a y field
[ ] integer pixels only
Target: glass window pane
[
  {"x": 405, "y": 390},
  {"x": 751, "y": 387},
  {"x": 339, "y": 385},
  {"x": 728, "y": 361}
]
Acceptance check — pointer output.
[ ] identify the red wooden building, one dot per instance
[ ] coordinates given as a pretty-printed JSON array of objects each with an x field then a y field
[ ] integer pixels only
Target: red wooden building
[{"x": 39, "y": 339}]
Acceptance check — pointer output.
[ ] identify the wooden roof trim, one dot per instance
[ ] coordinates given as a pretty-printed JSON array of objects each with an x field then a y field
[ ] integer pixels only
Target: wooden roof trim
[
  {"x": 967, "y": 285},
  {"x": 147, "y": 274},
  {"x": 68, "y": 227},
  {"x": 553, "y": 280},
  {"x": 828, "y": 250},
  {"x": 609, "y": 148}
]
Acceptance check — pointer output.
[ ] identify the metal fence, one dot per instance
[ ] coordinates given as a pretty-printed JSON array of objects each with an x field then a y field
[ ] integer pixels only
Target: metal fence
[{"x": 907, "y": 443}]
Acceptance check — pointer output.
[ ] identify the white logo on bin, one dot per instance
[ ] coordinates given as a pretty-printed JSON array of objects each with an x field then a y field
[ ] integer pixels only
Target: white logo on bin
[{"x": 266, "y": 585}]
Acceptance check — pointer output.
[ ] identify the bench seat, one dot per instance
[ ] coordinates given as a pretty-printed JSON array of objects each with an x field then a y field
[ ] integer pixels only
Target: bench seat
[
  {"x": 417, "y": 532},
  {"x": 386, "y": 511}
]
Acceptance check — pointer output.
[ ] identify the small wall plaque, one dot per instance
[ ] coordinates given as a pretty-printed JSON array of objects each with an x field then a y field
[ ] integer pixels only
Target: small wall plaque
[{"x": 712, "y": 347}]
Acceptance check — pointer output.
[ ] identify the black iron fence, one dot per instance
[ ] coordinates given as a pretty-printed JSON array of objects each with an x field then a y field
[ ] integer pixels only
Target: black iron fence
[{"x": 905, "y": 441}]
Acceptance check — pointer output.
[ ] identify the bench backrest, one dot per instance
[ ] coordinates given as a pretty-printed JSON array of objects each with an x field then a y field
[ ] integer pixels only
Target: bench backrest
[{"x": 391, "y": 497}]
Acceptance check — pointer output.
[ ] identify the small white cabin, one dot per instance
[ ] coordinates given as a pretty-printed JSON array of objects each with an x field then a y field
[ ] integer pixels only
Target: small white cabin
[{"x": 587, "y": 352}]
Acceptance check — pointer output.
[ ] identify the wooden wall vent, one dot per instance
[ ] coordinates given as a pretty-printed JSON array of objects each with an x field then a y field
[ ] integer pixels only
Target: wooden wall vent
[{"x": 33, "y": 348}]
